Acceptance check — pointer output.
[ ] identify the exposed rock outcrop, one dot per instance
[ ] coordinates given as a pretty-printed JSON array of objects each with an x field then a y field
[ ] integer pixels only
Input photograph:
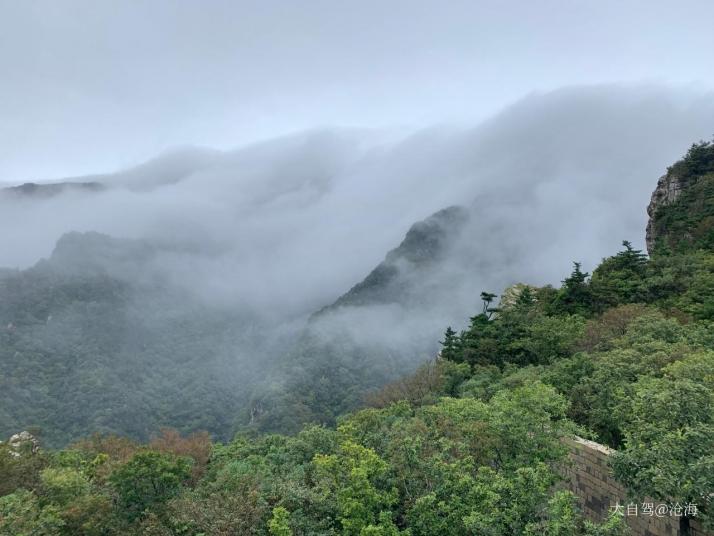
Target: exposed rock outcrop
[
  {"x": 511, "y": 294},
  {"x": 681, "y": 210},
  {"x": 669, "y": 187},
  {"x": 23, "y": 443}
]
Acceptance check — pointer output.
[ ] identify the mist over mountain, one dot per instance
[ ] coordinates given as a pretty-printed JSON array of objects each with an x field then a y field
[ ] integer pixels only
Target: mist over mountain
[{"x": 238, "y": 249}]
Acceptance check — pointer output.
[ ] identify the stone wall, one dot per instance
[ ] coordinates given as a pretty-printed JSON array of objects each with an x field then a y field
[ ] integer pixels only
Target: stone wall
[{"x": 590, "y": 478}]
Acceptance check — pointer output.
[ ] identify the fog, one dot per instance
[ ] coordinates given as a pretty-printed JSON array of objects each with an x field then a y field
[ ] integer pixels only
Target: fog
[
  {"x": 285, "y": 226},
  {"x": 240, "y": 199},
  {"x": 272, "y": 232}
]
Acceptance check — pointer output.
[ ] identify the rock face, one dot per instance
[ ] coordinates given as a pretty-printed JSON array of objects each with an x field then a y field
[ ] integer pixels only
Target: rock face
[
  {"x": 510, "y": 295},
  {"x": 23, "y": 443},
  {"x": 681, "y": 211},
  {"x": 669, "y": 187}
]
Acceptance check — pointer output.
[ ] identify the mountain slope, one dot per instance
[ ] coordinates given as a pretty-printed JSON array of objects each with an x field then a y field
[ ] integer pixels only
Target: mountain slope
[
  {"x": 471, "y": 443},
  {"x": 396, "y": 279},
  {"x": 346, "y": 349},
  {"x": 94, "y": 340}
]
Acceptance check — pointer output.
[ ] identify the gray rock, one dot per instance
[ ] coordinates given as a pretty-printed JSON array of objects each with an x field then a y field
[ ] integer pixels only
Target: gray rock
[
  {"x": 669, "y": 187},
  {"x": 22, "y": 443}
]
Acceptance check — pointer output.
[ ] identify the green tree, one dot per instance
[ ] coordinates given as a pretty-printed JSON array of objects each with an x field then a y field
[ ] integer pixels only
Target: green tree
[
  {"x": 357, "y": 477},
  {"x": 620, "y": 279},
  {"x": 575, "y": 295},
  {"x": 487, "y": 298},
  {"x": 147, "y": 481},
  {"x": 451, "y": 346},
  {"x": 20, "y": 471},
  {"x": 669, "y": 437},
  {"x": 22, "y": 515},
  {"x": 279, "y": 524}
]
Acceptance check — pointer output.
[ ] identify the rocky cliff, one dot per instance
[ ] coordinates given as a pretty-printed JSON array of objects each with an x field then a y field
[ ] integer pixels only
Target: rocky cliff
[
  {"x": 681, "y": 210},
  {"x": 669, "y": 186}
]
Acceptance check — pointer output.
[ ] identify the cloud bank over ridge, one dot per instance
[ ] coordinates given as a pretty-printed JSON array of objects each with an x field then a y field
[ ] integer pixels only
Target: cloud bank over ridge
[{"x": 291, "y": 223}]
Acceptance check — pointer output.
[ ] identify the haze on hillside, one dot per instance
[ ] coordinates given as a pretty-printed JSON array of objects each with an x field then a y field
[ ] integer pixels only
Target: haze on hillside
[
  {"x": 287, "y": 225},
  {"x": 260, "y": 159}
]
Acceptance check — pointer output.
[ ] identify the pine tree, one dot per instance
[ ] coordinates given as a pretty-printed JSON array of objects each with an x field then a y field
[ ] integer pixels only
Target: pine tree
[
  {"x": 487, "y": 298},
  {"x": 451, "y": 346},
  {"x": 620, "y": 279},
  {"x": 575, "y": 296}
]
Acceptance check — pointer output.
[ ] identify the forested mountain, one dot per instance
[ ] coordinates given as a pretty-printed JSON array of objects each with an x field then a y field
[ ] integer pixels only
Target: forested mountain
[
  {"x": 278, "y": 284},
  {"x": 400, "y": 277},
  {"x": 97, "y": 338},
  {"x": 341, "y": 355},
  {"x": 470, "y": 443},
  {"x": 93, "y": 339}
]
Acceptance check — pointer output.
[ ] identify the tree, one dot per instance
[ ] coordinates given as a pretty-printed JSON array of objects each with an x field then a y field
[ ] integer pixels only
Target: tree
[
  {"x": 434, "y": 378},
  {"x": 575, "y": 295},
  {"x": 21, "y": 471},
  {"x": 620, "y": 279},
  {"x": 669, "y": 437},
  {"x": 548, "y": 338},
  {"x": 196, "y": 446},
  {"x": 148, "y": 480},
  {"x": 487, "y": 298},
  {"x": 563, "y": 519},
  {"x": 279, "y": 524},
  {"x": 698, "y": 160},
  {"x": 22, "y": 515},
  {"x": 356, "y": 476},
  {"x": 526, "y": 297},
  {"x": 451, "y": 346}
]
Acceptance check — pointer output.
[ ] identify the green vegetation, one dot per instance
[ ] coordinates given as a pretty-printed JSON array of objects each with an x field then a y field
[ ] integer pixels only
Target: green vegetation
[
  {"x": 458, "y": 466},
  {"x": 87, "y": 350},
  {"x": 688, "y": 222},
  {"x": 631, "y": 349},
  {"x": 467, "y": 445}
]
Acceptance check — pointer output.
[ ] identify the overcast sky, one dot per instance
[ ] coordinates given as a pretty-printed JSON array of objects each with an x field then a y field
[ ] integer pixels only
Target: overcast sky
[{"x": 90, "y": 86}]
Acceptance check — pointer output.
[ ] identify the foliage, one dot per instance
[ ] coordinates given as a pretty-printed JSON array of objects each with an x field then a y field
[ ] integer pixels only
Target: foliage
[
  {"x": 620, "y": 279},
  {"x": 467, "y": 444},
  {"x": 687, "y": 222},
  {"x": 83, "y": 350},
  {"x": 278, "y": 524},
  {"x": 433, "y": 379},
  {"x": 148, "y": 480},
  {"x": 22, "y": 515},
  {"x": 669, "y": 434}
]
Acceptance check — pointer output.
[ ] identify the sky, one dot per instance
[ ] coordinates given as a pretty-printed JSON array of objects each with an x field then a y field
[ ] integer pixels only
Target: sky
[
  {"x": 261, "y": 158},
  {"x": 91, "y": 86}
]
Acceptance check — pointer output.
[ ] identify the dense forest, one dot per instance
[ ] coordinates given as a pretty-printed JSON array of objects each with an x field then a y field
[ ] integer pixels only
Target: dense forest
[
  {"x": 469, "y": 444},
  {"x": 91, "y": 339}
]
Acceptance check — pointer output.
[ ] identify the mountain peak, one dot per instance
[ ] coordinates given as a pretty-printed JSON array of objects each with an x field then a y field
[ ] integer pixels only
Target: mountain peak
[{"x": 426, "y": 242}]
